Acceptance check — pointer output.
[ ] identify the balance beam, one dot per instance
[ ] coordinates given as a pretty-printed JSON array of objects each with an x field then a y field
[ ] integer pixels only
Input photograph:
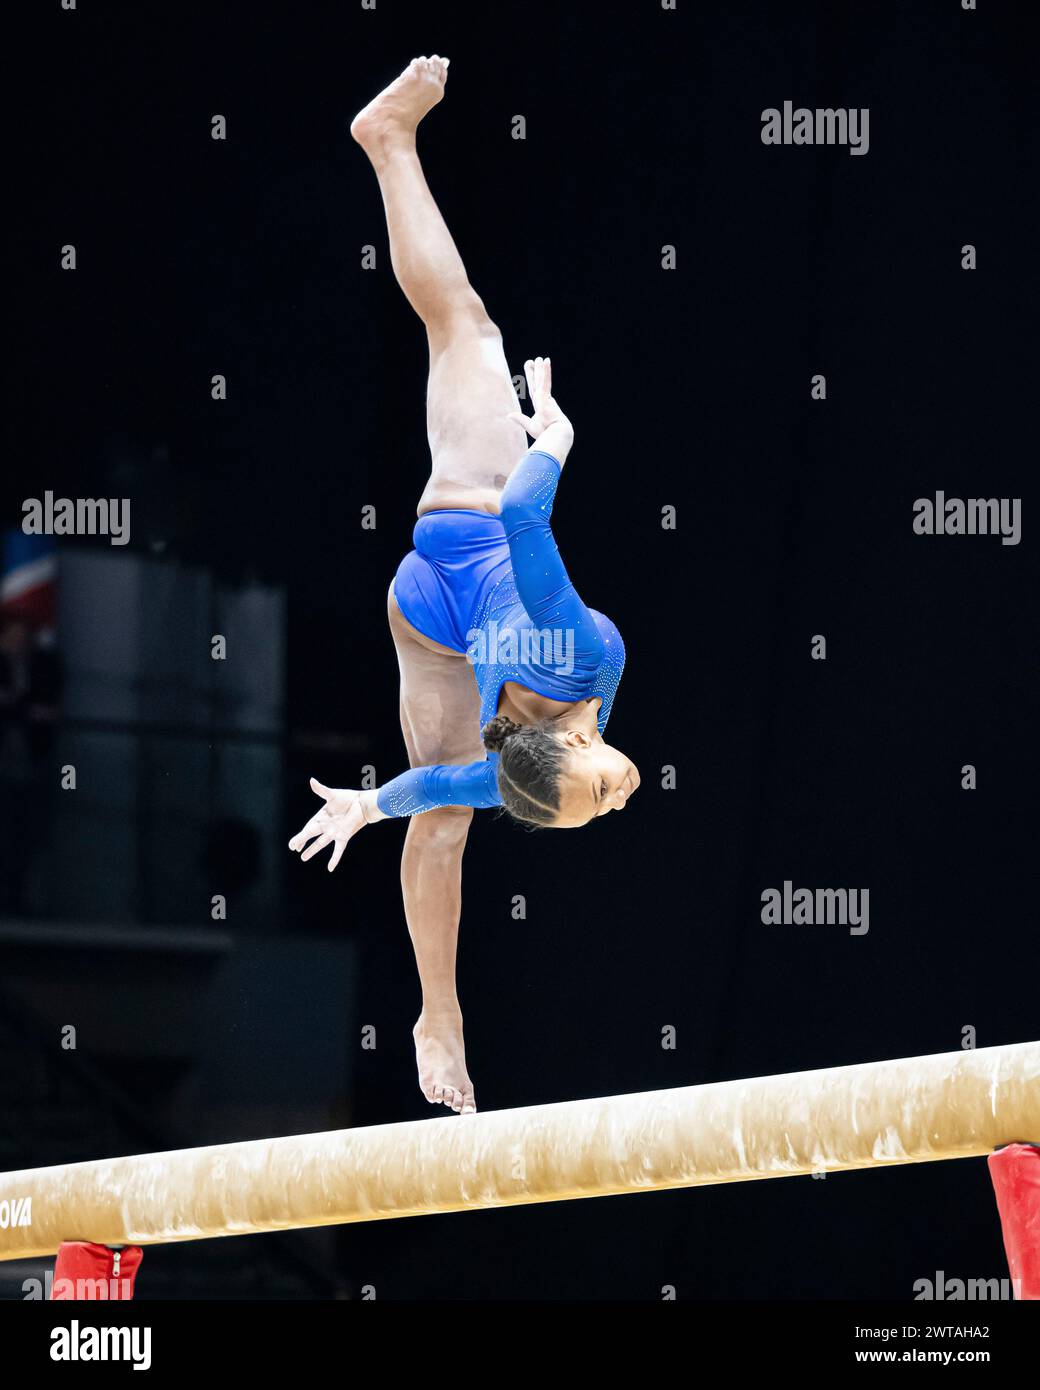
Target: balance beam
[{"x": 915, "y": 1110}]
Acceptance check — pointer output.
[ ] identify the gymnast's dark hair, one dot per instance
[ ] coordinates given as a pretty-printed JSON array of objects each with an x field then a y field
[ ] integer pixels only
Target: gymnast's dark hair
[{"x": 530, "y": 766}]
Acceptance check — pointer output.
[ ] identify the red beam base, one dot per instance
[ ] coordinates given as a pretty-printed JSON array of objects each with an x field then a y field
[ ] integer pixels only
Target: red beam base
[
  {"x": 1015, "y": 1170},
  {"x": 85, "y": 1271}
]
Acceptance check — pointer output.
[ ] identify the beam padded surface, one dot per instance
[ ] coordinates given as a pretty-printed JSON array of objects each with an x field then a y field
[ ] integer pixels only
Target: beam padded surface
[{"x": 913, "y": 1110}]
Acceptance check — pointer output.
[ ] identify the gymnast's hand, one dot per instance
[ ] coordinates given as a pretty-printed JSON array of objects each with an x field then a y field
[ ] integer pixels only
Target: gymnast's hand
[
  {"x": 339, "y": 820},
  {"x": 548, "y": 425}
]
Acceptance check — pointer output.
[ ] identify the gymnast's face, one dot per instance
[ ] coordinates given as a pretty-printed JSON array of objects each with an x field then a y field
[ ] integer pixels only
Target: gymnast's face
[{"x": 597, "y": 778}]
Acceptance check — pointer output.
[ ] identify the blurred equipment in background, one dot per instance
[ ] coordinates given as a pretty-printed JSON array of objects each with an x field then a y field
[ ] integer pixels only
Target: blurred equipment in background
[
  {"x": 30, "y": 688},
  {"x": 167, "y": 744}
]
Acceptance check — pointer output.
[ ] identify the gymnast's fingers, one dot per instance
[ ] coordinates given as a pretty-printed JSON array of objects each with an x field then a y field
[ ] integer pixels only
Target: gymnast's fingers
[
  {"x": 524, "y": 422},
  {"x": 337, "y": 854},
  {"x": 540, "y": 379},
  {"x": 322, "y": 790},
  {"x": 319, "y": 843},
  {"x": 534, "y": 380},
  {"x": 312, "y": 828},
  {"x": 532, "y": 387}
]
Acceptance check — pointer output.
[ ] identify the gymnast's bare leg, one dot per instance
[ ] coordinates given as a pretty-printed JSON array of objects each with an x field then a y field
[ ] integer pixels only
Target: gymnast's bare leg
[{"x": 473, "y": 448}]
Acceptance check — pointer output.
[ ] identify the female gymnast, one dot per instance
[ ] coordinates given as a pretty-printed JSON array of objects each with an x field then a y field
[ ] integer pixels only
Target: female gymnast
[{"x": 483, "y": 595}]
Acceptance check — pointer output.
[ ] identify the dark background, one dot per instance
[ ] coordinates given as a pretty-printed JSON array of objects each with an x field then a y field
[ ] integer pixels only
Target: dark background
[{"x": 687, "y": 388}]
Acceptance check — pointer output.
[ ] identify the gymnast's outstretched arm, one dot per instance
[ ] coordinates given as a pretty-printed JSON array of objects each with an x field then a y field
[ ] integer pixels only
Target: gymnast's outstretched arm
[
  {"x": 442, "y": 784},
  {"x": 542, "y": 581},
  {"x": 346, "y": 809}
]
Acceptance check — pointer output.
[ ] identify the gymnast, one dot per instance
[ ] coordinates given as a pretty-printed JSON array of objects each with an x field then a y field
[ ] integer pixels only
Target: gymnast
[{"x": 506, "y": 678}]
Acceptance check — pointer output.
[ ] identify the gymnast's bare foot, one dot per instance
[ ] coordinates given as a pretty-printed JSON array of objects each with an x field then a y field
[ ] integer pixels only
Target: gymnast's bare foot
[
  {"x": 441, "y": 1057},
  {"x": 399, "y": 108}
]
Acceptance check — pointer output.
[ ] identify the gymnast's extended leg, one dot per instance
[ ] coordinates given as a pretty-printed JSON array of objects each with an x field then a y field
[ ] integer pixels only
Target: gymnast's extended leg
[{"x": 473, "y": 448}]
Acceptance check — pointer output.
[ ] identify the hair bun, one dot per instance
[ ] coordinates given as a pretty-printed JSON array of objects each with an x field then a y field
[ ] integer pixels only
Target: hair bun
[{"x": 497, "y": 730}]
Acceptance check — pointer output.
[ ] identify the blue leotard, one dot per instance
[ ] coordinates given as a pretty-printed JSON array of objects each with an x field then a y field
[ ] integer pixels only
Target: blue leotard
[{"x": 496, "y": 588}]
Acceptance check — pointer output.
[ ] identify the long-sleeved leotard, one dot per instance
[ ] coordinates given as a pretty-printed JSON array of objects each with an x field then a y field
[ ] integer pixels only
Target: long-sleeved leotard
[{"x": 531, "y": 627}]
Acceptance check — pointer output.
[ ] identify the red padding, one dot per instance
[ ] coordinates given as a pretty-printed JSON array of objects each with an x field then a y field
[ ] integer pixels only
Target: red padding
[
  {"x": 1015, "y": 1171},
  {"x": 83, "y": 1270}
]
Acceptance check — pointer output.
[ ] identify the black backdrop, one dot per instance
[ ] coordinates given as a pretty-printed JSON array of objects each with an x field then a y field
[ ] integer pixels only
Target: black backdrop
[{"x": 689, "y": 388}]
